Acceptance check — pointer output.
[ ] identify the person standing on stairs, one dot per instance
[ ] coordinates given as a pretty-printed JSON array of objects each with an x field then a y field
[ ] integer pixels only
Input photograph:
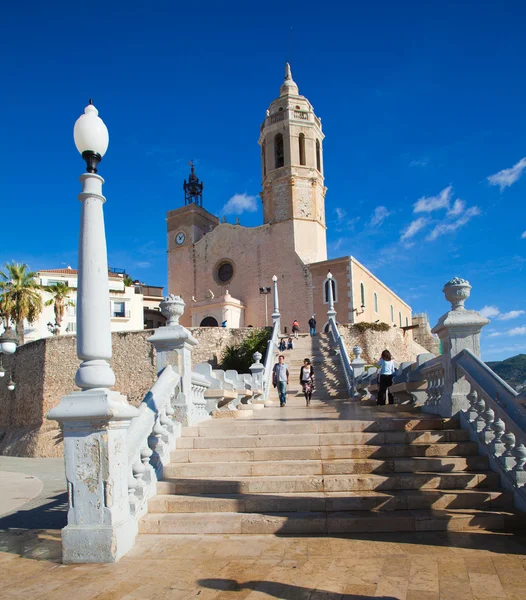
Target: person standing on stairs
[
  {"x": 387, "y": 370},
  {"x": 312, "y": 326},
  {"x": 280, "y": 379},
  {"x": 307, "y": 380},
  {"x": 295, "y": 328}
]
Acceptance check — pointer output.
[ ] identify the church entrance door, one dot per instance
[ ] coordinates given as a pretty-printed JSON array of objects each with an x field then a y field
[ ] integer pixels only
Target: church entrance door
[{"x": 209, "y": 322}]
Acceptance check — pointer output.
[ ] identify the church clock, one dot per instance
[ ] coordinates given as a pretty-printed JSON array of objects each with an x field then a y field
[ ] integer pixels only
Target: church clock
[{"x": 180, "y": 238}]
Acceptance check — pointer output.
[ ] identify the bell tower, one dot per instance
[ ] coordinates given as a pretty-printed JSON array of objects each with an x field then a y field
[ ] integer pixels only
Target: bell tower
[{"x": 291, "y": 143}]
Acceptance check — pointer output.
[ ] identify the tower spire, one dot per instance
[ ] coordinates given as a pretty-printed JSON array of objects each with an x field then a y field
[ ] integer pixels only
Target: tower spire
[
  {"x": 289, "y": 86},
  {"x": 193, "y": 190}
]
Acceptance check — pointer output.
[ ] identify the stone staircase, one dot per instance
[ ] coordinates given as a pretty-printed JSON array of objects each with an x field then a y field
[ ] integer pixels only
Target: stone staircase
[{"x": 335, "y": 467}]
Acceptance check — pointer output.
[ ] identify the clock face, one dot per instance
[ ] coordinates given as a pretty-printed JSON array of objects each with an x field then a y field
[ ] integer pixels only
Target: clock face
[{"x": 180, "y": 238}]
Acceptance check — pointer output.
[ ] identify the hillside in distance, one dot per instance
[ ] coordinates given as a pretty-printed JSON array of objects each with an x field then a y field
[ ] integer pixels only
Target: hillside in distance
[{"x": 512, "y": 370}]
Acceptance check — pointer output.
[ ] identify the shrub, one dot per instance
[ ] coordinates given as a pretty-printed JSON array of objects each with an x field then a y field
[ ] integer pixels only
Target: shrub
[
  {"x": 362, "y": 327},
  {"x": 239, "y": 358}
]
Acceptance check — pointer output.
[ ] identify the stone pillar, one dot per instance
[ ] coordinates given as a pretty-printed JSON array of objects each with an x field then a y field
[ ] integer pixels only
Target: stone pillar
[
  {"x": 331, "y": 313},
  {"x": 358, "y": 363},
  {"x": 95, "y": 420},
  {"x": 457, "y": 329},
  {"x": 257, "y": 370},
  {"x": 173, "y": 344}
]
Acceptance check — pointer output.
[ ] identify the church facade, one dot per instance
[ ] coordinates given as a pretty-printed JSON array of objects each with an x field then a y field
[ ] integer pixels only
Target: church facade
[{"x": 220, "y": 269}]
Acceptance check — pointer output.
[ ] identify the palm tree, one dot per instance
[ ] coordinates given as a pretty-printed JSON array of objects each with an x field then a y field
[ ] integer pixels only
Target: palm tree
[
  {"x": 128, "y": 281},
  {"x": 19, "y": 296},
  {"x": 60, "y": 292}
]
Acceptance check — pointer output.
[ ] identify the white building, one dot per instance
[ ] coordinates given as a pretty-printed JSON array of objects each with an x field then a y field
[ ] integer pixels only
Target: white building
[{"x": 126, "y": 304}]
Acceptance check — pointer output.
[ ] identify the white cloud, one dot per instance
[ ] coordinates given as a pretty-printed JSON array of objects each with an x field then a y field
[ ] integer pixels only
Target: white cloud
[
  {"x": 495, "y": 334},
  {"x": 380, "y": 214},
  {"x": 517, "y": 331},
  {"x": 414, "y": 227},
  {"x": 423, "y": 162},
  {"x": 512, "y": 314},
  {"x": 489, "y": 311},
  {"x": 457, "y": 209},
  {"x": 508, "y": 177},
  {"x": 340, "y": 213},
  {"x": 523, "y": 236},
  {"x": 431, "y": 203},
  {"x": 143, "y": 264},
  {"x": 443, "y": 228},
  {"x": 240, "y": 203}
]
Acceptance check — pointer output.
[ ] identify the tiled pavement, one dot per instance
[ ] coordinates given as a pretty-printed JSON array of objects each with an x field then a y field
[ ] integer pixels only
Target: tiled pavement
[{"x": 426, "y": 566}]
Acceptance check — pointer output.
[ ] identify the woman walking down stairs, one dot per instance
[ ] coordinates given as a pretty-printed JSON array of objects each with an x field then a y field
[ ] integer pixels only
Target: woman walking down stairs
[{"x": 333, "y": 467}]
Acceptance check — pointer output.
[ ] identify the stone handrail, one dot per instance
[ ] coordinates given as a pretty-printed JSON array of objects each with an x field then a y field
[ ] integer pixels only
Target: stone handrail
[
  {"x": 344, "y": 356},
  {"x": 151, "y": 437},
  {"x": 496, "y": 422},
  {"x": 272, "y": 348}
]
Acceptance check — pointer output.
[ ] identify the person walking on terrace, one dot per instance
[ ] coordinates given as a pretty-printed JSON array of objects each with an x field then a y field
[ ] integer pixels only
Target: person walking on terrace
[
  {"x": 280, "y": 379},
  {"x": 307, "y": 380},
  {"x": 312, "y": 325},
  {"x": 295, "y": 328},
  {"x": 387, "y": 370}
]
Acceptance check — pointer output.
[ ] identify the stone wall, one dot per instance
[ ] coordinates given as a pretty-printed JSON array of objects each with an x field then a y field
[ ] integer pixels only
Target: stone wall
[
  {"x": 44, "y": 371},
  {"x": 422, "y": 334},
  {"x": 398, "y": 342}
]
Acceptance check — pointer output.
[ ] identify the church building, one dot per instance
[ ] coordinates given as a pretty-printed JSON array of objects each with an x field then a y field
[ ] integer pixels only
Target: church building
[{"x": 221, "y": 269}]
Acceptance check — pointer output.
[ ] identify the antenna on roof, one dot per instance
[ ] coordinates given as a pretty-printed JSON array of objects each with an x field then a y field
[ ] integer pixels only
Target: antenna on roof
[{"x": 290, "y": 46}]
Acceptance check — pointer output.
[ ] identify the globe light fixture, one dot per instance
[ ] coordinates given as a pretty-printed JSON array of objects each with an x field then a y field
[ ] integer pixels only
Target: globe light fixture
[
  {"x": 2, "y": 370},
  {"x": 8, "y": 341},
  {"x": 91, "y": 137},
  {"x": 11, "y": 384}
]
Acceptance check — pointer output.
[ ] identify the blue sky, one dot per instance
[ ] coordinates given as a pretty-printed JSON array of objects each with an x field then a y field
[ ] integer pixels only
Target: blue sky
[{"x": 422, "y": 103}]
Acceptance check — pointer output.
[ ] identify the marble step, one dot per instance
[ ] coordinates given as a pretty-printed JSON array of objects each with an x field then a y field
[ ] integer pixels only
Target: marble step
[
  {"x": 330, "y": 523},
  {"x": 329, "y": 467},
  {"x": 332, "y": 483},
  {"x": 333, "y": 501},
  {"x": 326, "y": 439},
  {"x": 324, "y": 452},
  {"x": 211, "y": 429}
]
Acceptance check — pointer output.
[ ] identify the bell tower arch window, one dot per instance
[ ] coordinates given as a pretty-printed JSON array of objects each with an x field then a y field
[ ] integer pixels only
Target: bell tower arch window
[
  {"x": 279, "y": 156},
  {"x": 318, "y": 155},
  {"x": 301, "y": 140}
]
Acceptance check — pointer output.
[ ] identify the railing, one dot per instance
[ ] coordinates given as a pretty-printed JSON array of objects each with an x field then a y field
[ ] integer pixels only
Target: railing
[
  {"x": 151, "y": 438},
  {"x": 276, "y": 117},
  {"x": 344, "y": 356},
  {"x": 272, "y": 348},
  {"x": 433, "y": 371},
  {"x": 302, "y": 115},
  {"x": 496, "y": 420},
  {"x": 120, "y": 314}
]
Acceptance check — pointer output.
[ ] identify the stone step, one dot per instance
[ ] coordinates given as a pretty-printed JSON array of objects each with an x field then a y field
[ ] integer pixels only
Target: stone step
[
  {"x": 324, "y": 452},
  {"x": 326, "y": 439},
  {"x": 333, "y": 501},
  {"x": 211, "y": 429},
  {"x": 328, "y": 523},
  {"x": 329, "y": 467},
  {"x": 332, "y": 483}
]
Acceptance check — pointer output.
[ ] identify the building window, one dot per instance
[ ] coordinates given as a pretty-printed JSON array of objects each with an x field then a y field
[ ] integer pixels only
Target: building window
[
  {"x": 71, "y": 328},
  {"x": 318, "y": 155},
  {"x": 302, "y": 149},
  {"x": 375, "y": 302},
  {"x": 279, "y": 156},
  {"x": 392, "y": 314},
  {"x": 400, "y": 318},
  {"x": 71, "y": 309},
  {"x": 209, "y": 322},
  {"x": 119, "y": 309},
  {"x": 264, "y": 158},
  {"x": 362, "y": 294},
  {"x": 407, "y": 321},
  {"x": 326, "y": 291},
  {"x": 225, "y": 272}
]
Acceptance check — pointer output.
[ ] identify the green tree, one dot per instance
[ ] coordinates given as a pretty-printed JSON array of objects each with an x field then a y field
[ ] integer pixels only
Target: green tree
[
  {"x": 128, "y": 281},
  {"x": 19, "y": 296},
  {"x": 60, "y": 292},
  {"x": 239, "y": 358}
]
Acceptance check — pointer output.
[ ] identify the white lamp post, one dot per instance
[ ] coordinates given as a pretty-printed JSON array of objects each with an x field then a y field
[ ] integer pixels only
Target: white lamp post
[
  {"x": 276, "y": 314},
  {"x": 331, "y": 313},
  {"x": 96, "y": 419},
  {"x": 8, "y": 345}
]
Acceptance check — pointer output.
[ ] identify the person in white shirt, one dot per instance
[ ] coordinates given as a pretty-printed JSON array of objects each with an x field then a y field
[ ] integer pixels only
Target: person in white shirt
[{"x": 387, "y": 370}]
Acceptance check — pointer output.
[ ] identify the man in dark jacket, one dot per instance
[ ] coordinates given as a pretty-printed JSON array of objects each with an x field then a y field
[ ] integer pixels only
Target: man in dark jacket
[{"x": 312, "y": 325}]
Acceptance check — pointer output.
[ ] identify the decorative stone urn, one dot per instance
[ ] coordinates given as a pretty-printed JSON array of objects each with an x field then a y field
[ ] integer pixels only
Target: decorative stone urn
[
  {"x": 457, "y": 291},
  {"x": 357, "y": 351},
  {"x": 172, "y": 307},
  {"x": 257, "y": 356}
]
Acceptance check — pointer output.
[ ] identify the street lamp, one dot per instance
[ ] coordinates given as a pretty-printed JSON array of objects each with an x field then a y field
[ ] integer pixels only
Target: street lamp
[
  {"x": 8, "y": 341},
  {"x": 265, "y": 291}
]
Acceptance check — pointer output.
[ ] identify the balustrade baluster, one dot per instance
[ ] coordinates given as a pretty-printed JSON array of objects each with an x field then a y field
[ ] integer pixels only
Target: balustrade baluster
[
  {"x": 146, "y": 455},
  {"x": 132, "y": 487},
  {"x": 138, "y": 470},
  {"x": 497, "y": 445},
  {"x": 472, "y": 397},
  {"x": 480, "y": 407},
  {"x": 519, "y": 474},
  {"x": 487, "y": 434},
  {"x": 507, "y": 459}
]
